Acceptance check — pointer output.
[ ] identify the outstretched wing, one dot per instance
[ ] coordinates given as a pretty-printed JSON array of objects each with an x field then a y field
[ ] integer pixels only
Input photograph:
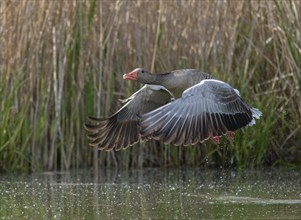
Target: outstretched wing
[
  {"x": 210, "y": 108},
  {"x": 121, "y": 129}
]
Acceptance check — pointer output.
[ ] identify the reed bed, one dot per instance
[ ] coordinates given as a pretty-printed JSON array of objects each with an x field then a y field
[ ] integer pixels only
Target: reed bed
[{"x": 61, "y": 61}]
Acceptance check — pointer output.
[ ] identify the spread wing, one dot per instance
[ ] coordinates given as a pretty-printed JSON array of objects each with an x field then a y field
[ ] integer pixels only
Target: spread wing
[
  {"x": 121, "y": 130},
  {"x": 210, "y": 108}
]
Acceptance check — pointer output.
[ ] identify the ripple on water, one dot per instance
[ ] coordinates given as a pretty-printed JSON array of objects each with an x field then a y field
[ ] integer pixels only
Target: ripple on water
[{"x": 152, "y": 193}]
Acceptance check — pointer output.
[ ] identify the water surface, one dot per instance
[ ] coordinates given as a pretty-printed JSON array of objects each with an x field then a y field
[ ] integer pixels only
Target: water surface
[{"x": 152, "y": 194}]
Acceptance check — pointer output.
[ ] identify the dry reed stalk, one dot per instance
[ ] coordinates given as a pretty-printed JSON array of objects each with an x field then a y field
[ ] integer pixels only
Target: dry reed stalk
[{"x": 70, "y": 56}]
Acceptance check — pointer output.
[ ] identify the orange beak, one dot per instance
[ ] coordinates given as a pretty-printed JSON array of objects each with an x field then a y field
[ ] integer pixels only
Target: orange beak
[{"x": 130, "y": 76}]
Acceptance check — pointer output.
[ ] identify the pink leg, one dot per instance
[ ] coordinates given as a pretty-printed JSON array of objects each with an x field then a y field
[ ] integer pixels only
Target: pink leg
[
  {"x": 230, "y": 135},
  {"x": 215, "y": 139}
]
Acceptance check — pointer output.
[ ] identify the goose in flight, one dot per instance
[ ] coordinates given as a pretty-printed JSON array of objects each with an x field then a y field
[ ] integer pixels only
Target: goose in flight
[{"x": 183, "y": 107}]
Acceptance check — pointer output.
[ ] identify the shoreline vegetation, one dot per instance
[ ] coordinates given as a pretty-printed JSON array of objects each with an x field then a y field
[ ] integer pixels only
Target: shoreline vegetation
[{"x": 62, "y": 61}]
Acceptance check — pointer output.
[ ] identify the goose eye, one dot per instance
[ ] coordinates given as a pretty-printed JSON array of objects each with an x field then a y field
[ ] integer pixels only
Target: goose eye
[{"x": 142, "y": 71}]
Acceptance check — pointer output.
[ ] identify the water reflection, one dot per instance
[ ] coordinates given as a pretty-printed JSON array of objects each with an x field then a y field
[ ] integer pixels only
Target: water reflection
[{"x": 152, "y": 193}]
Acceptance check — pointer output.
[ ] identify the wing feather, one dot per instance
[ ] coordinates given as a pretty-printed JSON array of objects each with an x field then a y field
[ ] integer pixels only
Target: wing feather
[
  {"x": 121, "y": 129},
  {"x": 209, "y": 108}
]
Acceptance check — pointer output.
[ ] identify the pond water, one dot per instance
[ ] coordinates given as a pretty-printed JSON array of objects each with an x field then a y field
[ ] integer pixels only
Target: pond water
[{"x": 152, "y": 194}]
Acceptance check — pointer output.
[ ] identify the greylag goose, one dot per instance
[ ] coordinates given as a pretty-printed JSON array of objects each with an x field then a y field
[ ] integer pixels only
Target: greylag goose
[{"x": 183, "y": 107}]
